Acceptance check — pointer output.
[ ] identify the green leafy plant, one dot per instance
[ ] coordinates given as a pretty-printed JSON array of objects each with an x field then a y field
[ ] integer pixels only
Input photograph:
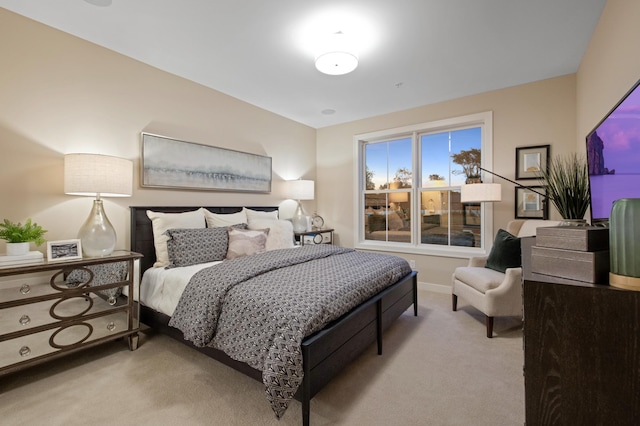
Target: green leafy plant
[
  {"x": 18, "y": 233},
  {"x": 566, "y": 181}
]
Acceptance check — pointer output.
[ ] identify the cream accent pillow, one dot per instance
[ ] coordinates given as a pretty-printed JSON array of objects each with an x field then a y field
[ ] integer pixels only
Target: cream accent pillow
[
  {"x": 280, "y": 233},
  {"x": 162, "y": 222},
  {"x": 216, "y": 220},
  {"x": 395, "y": 223},
  {"x": 245, "y": 242},
  {"x": 258, "y": 215}
]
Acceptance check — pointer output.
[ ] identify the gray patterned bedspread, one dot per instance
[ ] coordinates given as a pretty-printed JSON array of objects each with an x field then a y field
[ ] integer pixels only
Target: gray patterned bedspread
[{"x": 259, "y": 308}]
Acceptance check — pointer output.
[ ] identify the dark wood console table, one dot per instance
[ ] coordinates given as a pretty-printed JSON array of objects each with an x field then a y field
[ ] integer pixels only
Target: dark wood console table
[{"x": 582, "y": 354}]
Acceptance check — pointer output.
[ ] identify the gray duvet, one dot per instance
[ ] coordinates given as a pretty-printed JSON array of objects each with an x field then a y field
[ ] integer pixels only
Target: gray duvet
[{"x": 259, "y": 308}]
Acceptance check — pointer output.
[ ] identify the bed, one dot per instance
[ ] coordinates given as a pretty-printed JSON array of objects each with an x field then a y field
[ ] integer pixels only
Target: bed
[{"x": 324, "y": 352}]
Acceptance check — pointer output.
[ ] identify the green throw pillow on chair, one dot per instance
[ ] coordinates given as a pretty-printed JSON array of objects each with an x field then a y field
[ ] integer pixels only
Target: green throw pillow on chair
[{"x": 505, "y": 252}]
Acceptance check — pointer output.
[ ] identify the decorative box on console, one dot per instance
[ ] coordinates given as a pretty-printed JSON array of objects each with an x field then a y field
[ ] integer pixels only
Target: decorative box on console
[
  {"x": 581, "y": 238},
  {"x": 591, "y": 267}
]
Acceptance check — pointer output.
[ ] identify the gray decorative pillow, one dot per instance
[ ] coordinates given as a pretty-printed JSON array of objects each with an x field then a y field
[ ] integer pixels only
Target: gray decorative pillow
[
  {"x": 192, "y": 246},
  {"x": 245, "y": 242},
  {"x": 160, "y": 222},
  {"x": 105, "y": 273}
]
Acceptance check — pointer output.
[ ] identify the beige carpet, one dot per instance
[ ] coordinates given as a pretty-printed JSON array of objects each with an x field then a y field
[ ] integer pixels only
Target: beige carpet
[{"x": 437, "y": 369}]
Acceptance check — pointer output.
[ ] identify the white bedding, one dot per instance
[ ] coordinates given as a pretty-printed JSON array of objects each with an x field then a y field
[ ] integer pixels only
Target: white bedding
[{"x": 161, "y": 288}]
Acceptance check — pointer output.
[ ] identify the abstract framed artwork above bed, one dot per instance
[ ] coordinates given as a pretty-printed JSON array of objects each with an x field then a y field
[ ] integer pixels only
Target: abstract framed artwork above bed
[
  {"x": 326, "y": 343},
  {"x": 171, "y": 163}
]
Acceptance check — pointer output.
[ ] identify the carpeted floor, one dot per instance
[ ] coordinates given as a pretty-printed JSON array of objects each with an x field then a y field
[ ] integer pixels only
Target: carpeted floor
[{"x": 437, "y": 369}]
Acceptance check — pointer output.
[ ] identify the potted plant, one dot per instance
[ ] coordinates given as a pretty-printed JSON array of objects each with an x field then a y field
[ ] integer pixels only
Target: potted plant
[
  {"x": 566, "y": 181},
  {"x": 18, "y": 236}
]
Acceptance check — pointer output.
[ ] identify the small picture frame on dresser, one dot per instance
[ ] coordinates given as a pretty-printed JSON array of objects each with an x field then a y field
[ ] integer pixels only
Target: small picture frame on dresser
[{"x": 64, "y": 250}]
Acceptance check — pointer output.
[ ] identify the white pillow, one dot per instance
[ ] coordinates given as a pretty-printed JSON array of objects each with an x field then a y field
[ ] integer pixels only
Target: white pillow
[
  {"x": 258, "y": 215},
  {"x": 216, "y": 220},
  {"x": 280, "y": 232},
  {"x": 161, "y": 222},
  {"x": 395, "y": 222}
]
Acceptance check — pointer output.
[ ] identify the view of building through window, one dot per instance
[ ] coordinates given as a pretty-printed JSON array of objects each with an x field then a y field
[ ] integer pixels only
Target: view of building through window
[{"x": 412, "y": 188}]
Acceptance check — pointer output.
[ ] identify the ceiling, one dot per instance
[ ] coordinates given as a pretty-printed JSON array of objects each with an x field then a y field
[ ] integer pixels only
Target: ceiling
[{"x": 411, "y": 52}]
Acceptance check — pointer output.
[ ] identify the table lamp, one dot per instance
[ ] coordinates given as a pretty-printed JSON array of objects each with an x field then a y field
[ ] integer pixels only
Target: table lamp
[
  {"x": 97, "y": 176},
  {"x": 300, "y": 190}
]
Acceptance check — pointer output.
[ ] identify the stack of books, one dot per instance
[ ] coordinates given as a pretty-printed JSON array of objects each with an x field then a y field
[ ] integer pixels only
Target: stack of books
[{"x": 31, "y": 258}]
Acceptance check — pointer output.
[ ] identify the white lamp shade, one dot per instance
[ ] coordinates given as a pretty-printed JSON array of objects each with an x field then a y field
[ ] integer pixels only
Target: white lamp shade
[
  {"x": 93, "y": 174},
  {"x": 398, "y": 197},
  {"x": 301, "y": 189},
  {"x": 480, "y": 192},
  {"x": 336, "y": 56}
]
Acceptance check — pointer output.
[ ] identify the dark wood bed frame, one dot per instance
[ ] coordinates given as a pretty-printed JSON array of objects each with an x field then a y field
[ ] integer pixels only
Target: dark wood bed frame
[{"x": 326, "y": 352}]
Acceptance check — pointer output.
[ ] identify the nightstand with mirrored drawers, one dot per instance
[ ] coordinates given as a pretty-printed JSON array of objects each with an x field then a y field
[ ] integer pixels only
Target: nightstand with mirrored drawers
[
  {"x": 316, "y": 236},
  {"x": 50, "y": 309}
]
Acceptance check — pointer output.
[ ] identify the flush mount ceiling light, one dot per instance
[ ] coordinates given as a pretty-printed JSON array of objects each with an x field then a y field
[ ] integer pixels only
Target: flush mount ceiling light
[
  {"x": 336, "y": 57},
  {"x": 100, "y": 3}
]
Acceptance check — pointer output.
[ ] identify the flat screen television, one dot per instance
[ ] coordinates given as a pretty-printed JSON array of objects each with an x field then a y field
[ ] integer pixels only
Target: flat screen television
[{"x": 613, "y": 154}]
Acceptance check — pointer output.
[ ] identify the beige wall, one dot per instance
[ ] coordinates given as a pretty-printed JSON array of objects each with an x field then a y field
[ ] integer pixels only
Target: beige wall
[
  {"x": 560, "y": 112},
  {"x": 532, "y": 114},
  {"x": 610, "y": 66},
  {"x": 60, "y": 94}
]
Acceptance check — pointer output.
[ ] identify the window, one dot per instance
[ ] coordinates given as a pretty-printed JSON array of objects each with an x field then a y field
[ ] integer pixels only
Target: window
[{"x": 409, "y": 182}]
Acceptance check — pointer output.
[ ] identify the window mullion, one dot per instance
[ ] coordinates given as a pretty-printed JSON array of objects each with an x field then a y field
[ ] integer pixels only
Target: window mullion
[{"x": 416, "y": 199}]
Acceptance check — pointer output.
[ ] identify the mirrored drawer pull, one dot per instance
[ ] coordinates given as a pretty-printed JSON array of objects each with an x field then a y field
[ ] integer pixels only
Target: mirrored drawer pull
[
  {"x": 25, "y": 351},
  {"x": 112, "y": 300},
  {"x": 25, "y": 289},
  {"x": 111, "y": 326},
  {"x": 24, "y": 320}
]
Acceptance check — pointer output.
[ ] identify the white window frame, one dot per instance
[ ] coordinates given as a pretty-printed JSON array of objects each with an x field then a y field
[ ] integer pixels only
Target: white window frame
[{"x": 484, "y": 120}]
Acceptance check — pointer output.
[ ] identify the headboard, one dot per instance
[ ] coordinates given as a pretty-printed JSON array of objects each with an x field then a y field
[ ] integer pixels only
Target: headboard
[{"x": 142, "y": 232}]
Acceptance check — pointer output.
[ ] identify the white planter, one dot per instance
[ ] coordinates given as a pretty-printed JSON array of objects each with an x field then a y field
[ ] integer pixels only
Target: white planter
[{"x": 17, "y": 249}]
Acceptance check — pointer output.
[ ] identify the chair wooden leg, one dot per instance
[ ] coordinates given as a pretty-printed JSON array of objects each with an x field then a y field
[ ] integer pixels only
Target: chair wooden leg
[
  {"x": 454, "y": 302},
  {"x": 489, "y": 321}
]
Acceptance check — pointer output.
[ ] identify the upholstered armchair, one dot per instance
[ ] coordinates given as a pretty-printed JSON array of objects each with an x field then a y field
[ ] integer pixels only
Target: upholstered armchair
[{"x": 493, "y": 292}]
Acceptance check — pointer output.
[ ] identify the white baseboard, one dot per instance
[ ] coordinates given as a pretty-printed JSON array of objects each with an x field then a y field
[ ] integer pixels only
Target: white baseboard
[{"x": 436, "y": 288}]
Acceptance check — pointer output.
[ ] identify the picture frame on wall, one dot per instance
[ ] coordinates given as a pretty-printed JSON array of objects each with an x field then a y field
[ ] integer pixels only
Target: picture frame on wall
[
  {"x": 64, "y": 250},
  {"x": 472, "y": 214},
  {"x": 530, "y": 160},
  {"x": 172, "y": 163},
  {"x": 530, "y": 204}
]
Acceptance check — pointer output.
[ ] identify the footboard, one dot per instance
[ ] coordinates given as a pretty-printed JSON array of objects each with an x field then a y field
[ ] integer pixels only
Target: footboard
[{"x": 328, "y": 351}]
